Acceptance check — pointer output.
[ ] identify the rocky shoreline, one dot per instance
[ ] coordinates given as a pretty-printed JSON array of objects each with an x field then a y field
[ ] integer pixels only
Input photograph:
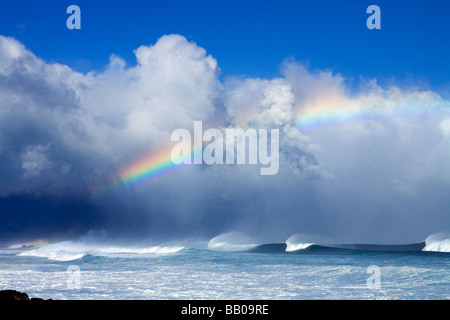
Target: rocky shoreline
[{"x": 13, "y": 295}]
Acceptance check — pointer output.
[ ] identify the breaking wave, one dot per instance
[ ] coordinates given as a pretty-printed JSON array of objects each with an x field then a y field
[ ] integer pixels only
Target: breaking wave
[
  {"x": 439, "y": 242},
  {"x": 304, "y": 244},
  {"x": 28, "y": 245},
  {"x": 73, "y": 250},
  {"x": 231, "y": 241},
  {"x": 296, "y": 242}
]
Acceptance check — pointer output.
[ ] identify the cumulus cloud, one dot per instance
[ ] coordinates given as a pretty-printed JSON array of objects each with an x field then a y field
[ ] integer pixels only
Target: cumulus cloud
[
  {"x": 270, "y": 104},
  {"x": 362, "y": 163},
  {"x": 93, "y": 123}
]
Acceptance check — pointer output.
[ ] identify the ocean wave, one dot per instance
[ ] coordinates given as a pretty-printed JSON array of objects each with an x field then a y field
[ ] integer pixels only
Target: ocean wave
[
  {"x": 309, "y": 244},
  {"x": 304, "y": 248},
  {"x": 411, "y": 247},
  {"x": 73, "y": 250},
  {"x": 28, "y": 245},
  {"x": 297, "y": 246},
  {"x": 297, "y": 242},
  {"x": 231, "y": 241},
  {"x": 439, "y": 242}
]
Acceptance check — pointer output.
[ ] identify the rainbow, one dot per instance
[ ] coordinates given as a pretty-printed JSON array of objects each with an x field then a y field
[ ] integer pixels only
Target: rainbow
[
  {"x": 324, "y": 112},
  {"x": 329, "y": 111},
  {"x": 326, "y": 117},
  {"x": 151, "y": 167}
]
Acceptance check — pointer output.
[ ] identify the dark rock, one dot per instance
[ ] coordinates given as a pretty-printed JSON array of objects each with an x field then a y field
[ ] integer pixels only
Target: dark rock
[{"x": 10, "y": 295}]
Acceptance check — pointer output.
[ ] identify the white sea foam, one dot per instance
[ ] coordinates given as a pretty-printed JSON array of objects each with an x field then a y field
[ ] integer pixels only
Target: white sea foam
[
  {"x": 297, "y": 246},
  {"x": 297, "y": 242},
  {"x": 73, "y": 250},
  {"x": 231, "y": 241},
  {"x": 439, "y": 242},
  {"x": 61, "y": 251}
]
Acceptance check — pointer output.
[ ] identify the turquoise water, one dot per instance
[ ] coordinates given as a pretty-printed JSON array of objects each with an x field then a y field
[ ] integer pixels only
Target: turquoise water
[{"x": 185, "y": 273}]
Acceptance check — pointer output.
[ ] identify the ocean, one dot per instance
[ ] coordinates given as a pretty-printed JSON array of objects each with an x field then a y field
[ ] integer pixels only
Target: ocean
[{"x": 75, "y": 270}]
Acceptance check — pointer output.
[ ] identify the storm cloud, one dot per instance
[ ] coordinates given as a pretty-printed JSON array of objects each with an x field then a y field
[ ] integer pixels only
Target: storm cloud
[{"x": 370, "y": 164}]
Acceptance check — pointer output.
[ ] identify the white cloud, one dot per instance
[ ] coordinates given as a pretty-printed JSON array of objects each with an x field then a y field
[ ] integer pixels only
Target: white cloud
[
  {"x": 264, "y": 104},
  {"x": 445, "y": 127},
  {"x": 11, "y": 52},
  {"x": 99, "y": 121},
  {"x": 386, "y": 150}
]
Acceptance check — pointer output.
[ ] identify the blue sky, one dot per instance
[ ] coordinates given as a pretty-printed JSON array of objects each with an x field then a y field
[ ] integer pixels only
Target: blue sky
[{"x": 247, "y": 37}]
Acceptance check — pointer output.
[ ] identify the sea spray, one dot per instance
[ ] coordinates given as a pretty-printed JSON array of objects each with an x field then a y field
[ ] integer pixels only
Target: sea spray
[{"x": 439, "y": 242}]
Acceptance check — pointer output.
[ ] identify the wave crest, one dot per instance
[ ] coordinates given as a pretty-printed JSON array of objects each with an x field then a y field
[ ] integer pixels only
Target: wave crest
[
  {"x": 439, "y": 242},
  {"x": 73, "y": 250},
  {"x": 297, "y": 242},
  {"x": 231, "y": 241},
  {"x": 28, "y": 245}
]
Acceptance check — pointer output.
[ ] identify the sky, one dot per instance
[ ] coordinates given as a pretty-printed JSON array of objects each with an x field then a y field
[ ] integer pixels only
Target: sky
[
  {"x": 248, "y": 37},
  {"x": 86, "y": 118}
]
